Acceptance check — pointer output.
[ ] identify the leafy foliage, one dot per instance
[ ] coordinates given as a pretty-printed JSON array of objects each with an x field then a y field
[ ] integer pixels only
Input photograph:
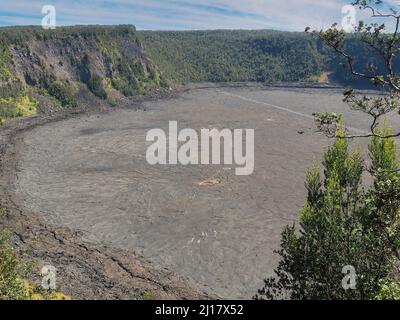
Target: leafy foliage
[
  {"x": 12, "y": 272},
  {"x": 388, "y": 290},
  {"x": 6, "y": 63},
  {"x": 225, "y": 56},
  {"x": 62, "y": 91},
  {"x": 21, "y": 106},
  {"x": 95, "y": 84},
  {"x": 20, "y": 34},
  {"x": 257, "y": 55},
  {"x": 342, "y": 224}
]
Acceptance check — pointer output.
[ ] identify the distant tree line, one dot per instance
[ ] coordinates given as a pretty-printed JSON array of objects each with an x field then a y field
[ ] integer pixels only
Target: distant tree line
[
  {"x": 254, "y": 55},
  {"x": 176, "y": 57}
]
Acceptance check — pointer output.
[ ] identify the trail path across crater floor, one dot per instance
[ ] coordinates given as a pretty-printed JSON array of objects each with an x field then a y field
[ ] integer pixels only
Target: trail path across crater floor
[{"x": 203, "y": 222}]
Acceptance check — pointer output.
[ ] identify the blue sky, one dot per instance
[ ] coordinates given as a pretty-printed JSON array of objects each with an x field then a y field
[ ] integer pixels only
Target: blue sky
[{"x": 292, "y": 15}]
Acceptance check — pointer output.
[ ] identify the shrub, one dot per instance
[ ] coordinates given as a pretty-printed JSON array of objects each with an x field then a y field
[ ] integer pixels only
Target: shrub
[
  {"x": 149, "y": 295},
  {"x": 128, "y": 87},
  {"x": 388, "y": 290},
  {"x": 11, "y": 90},
  {"x": 95, "y": 85},
  {"x": 12, "y": 272},
  {"x": 63, "y": 93},
  {"x": 6, "y": 64},
  {"x": 344, "y": 225},
  {"x": 17, "y": 107}
]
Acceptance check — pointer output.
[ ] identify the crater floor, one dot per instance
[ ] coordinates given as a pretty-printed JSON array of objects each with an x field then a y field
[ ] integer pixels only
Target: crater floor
[{"x": 91, "y": 174}]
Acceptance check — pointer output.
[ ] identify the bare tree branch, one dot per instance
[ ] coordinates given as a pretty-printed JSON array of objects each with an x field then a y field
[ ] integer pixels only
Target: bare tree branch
[{"x": 386, "y": 46}]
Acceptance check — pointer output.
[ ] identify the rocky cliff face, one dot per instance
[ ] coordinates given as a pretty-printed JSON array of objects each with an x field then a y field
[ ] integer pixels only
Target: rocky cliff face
[
  {"x": 63, "y": 66},
  {"x": 42, "y": 71}
]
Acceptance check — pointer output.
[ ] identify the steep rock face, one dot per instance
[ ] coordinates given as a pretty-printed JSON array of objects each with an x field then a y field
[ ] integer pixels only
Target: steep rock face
[
  {"x": 109, "y": 61},
  {"x": 65, "y": 57}
]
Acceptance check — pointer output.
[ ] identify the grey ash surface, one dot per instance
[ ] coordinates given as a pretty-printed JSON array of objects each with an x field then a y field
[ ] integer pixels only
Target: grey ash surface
[{"x": 90, "y": 174}]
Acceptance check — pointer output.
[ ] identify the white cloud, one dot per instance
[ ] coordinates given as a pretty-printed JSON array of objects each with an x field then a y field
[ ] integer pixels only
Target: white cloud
[{"x": 181, "y": 14}]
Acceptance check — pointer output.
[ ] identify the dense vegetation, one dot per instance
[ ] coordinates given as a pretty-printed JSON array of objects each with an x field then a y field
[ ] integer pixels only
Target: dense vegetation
[
  {"x": 14, "y": 272},
  {"x": 257, "y": 55},
  {"x": 348, "y": 243},
  {"x": 107, "y": 60},
  {"x": 224, "y": 56},
  {"x": 343, "y": 225}
]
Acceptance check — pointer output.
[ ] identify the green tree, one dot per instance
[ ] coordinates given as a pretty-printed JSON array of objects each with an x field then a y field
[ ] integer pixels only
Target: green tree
[
  {"x": 342, "y": 224},
  {"x": 12, "y": 272}
]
